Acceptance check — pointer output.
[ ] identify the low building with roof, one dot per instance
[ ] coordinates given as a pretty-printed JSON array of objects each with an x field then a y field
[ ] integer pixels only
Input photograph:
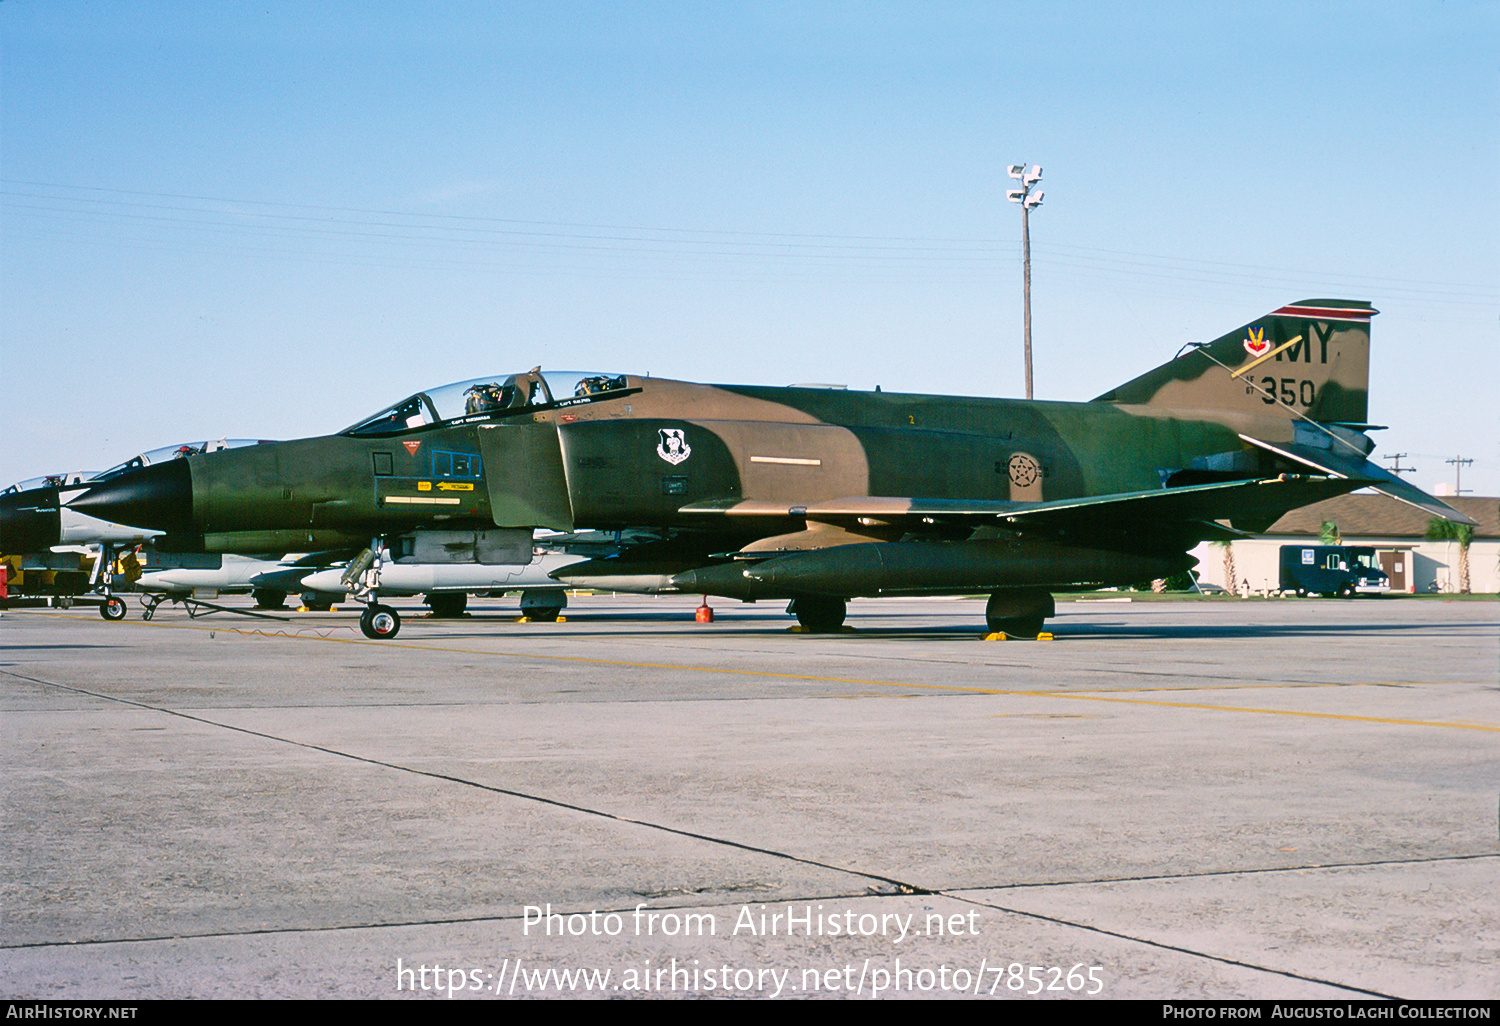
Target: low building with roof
[{"x": 1396, "y": 531}]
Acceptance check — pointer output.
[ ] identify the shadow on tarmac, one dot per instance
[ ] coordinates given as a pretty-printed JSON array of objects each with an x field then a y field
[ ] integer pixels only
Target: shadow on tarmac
[{"x": 1063, "y": 628}]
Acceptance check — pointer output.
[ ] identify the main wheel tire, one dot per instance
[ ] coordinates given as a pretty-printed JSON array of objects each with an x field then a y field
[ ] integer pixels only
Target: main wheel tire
[
  {"x": 380, "y": 622},
  {"x": 1021, "y": 614},
  {"x": 267, "y": 598},
  {"x": 313, "y": 604},
  {"x": 446, "y": 604},
  {"x": 1019, "y": 626},
  {"x": 820, "y": 614},
  {"x": 112, "y": 608},
  {"x": 543, "y": 614}
]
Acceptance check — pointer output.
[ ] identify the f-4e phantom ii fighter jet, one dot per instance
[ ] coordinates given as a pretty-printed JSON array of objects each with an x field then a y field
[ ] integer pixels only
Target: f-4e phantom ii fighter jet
[{"x": 816, "y": 495}]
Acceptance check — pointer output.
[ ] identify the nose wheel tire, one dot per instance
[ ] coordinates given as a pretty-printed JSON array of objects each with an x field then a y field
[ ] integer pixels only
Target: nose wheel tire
[
  {"x": 380, "y": 622},
  {"x": 112, "y": 608}
]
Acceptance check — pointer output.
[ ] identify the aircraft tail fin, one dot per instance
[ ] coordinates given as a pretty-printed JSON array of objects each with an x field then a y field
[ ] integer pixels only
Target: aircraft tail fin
[{"x": 1312, "y": 356}]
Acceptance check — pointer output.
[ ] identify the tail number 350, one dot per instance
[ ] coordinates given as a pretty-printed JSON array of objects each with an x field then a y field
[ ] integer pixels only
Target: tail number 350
[{"x": 1290, "y": 391}]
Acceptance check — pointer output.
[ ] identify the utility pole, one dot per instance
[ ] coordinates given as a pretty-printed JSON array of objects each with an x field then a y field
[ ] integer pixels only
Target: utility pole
[
  {"x": 1027, "y": 176},
  {"x": 1396, "y": 467},
  {"x": 1459, "y": 463}
]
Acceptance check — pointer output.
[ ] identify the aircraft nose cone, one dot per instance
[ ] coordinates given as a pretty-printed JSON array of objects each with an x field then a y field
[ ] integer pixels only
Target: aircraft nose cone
[
  {"x": 159, "y": 497},
  {"x": 29, "y": 521}
]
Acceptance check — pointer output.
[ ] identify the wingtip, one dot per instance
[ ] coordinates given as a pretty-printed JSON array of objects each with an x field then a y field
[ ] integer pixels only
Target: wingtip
[{"x": 1428, "y": 504}]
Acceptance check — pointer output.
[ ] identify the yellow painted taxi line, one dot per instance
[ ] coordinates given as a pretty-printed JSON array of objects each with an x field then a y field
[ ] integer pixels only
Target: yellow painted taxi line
[{"x": 730, "y": 671}]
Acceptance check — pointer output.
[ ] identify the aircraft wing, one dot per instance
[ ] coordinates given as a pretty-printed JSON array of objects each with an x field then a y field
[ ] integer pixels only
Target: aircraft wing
[
  {"x": 1255, "y": 504},
  {"x": 1193, "y": 508},
  {"x": 1369, "y": 474}
]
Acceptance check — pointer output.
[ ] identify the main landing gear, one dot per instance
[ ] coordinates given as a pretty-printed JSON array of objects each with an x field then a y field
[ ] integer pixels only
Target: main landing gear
[
  {"x": 1021, "y": 613},
  {"x": 447, "y": 604},
  {"x": 543, "y": 605},
  {"x": 819, "y": 614},
  {"x": 269, "y": 598}
]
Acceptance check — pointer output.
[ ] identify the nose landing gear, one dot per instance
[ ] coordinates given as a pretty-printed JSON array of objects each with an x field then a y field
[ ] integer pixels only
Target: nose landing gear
[{"x": 362, "y": 578}]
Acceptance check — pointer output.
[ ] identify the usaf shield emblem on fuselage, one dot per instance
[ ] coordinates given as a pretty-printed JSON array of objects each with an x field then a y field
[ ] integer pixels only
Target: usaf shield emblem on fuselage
[{"x": 673, "y": 446}]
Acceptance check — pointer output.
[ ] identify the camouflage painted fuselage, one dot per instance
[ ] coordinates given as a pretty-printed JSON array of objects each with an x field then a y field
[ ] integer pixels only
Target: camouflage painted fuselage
[{"x": 742, "y": 448}]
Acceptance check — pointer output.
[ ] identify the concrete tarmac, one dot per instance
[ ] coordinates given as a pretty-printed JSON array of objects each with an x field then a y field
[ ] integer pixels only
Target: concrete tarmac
[{"x": 1189, "y": 799}]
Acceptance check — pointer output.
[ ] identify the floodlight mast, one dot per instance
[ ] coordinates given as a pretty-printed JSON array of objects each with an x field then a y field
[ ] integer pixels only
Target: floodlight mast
[{"x": 1027, "y": 176}]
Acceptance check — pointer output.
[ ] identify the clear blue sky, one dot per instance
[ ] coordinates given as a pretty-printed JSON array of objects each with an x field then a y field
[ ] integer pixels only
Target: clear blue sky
[{"x": 266, "y": 220}]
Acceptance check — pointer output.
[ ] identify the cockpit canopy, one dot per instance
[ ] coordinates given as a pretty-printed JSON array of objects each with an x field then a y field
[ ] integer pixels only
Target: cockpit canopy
[
  {"x": 72, "y": 477},
  {"x": 487, "y": 398},
  {"x": 145, "y": 459},
  {"x": 176, "y": 452}
]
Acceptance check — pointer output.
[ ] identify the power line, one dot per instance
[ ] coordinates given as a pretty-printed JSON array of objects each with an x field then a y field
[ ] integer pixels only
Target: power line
[{"x": 136, "y": 214}]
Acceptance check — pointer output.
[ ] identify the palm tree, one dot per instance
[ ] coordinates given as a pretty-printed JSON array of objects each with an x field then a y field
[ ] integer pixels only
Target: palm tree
[
  {"x": 1230, "y": 584},
  {"x": 1448, "y": 531}
]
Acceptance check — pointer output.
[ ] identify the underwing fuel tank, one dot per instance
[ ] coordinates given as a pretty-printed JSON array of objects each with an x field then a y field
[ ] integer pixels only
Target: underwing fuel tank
[
  {"x": 637, "y": 581},
  {"x": 915, "y": 568}
]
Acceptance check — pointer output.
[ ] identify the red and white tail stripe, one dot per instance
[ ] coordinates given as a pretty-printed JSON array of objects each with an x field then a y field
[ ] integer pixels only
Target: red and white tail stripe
[{"x": 1326, "y": 313}]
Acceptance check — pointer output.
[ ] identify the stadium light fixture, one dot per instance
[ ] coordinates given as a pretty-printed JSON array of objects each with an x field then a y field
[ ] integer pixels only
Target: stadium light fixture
[{"x": 1027, "y": 176}]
